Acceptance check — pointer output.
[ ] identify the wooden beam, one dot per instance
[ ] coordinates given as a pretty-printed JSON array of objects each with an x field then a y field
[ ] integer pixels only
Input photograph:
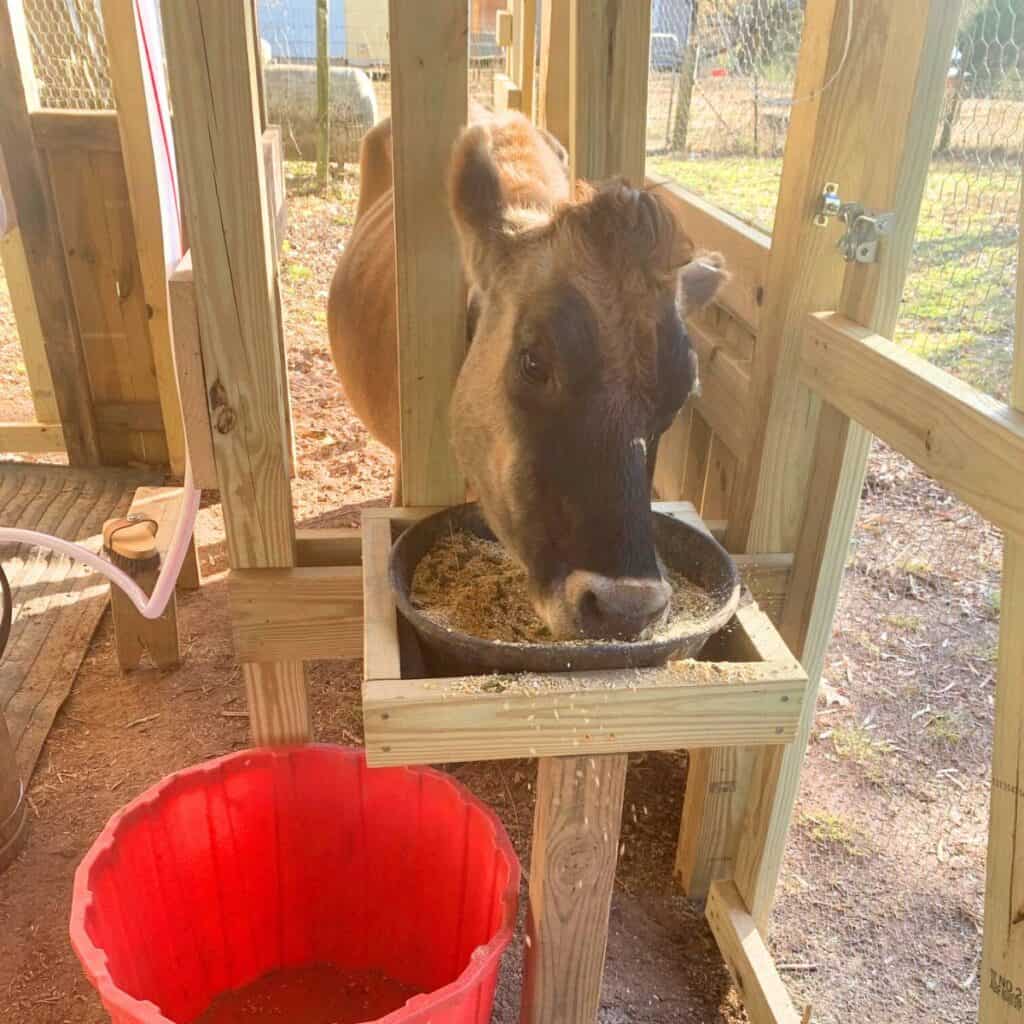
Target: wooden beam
[
  {"x": 130, "y": 80},
  {"x": 577, "y": 818},
  {"x": 429, "y": 55},
  {"x": 32, "y": 200},
  {"x": 1002, "y": 953},
  {"x": 553, "y": 102},
  {"x": 745, "y": 248},
  {"x": 381, "y": 650},
  {"x": 504, "y": 28},
  {"x": 129, "y": 416},
  {"x": 273, "y": 157},
  {"x": 528, "y": 55},
  {"x": 76, "y": 129},
  {"x": 297, "y": 614},
  {"x": 212, "y": 63},
  {"x": 326, "y": 546},
  {"x": 893, "y": 90},
  {"x": 761, "y": 989},
  {"x": 725, "y": 389},
  {"x": 191, "y": 377},
  {"x": 608, "y": 56},
  {"x": 968, "y": 442},
  {"x": 507, "y": 95},
  {"x": 34, "y": 438}
]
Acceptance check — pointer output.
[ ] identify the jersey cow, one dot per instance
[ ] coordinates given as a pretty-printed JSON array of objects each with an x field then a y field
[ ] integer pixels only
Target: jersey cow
[{"x": 578, "y": 361}]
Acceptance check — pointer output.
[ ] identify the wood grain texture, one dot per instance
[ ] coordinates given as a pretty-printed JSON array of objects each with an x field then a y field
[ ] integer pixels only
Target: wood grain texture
[
  {"x": 725, "y": 386},
  {"x": 31, "y": 197},
  {"x": 278, "y": 702},
  {"x": 745, "y": 248},
  {"x": 553, "y": 101},
  {"x": 329, "y": 546},
  {"x": 429, "y": 54},
  {"x": 127, "y": 76},
  {"x": 610, "y": 43},
  {"x": 163, "y": 504},
  {"x": 381, "y": 652},
  {"x": 576, "y": 826},
  {"x": 764, "y": 995},
  {"x": 527, "y": 61},
  {"x": 212, "y": 65},
  {"x": 31, "y": 438},
  {"x": 297, "y": 614},
  {"x": 76, "y": 129},
  {"x": 969, "y": 442},
  {"x": 191, "y": 376}
]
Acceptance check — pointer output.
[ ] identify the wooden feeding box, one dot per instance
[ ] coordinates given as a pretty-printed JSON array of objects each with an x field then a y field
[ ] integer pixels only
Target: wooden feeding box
[{"x": 746, "y": 689}]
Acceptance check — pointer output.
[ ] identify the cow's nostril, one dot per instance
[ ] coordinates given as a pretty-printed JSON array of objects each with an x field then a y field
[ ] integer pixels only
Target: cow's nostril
[{"x": 618, "y": 608}]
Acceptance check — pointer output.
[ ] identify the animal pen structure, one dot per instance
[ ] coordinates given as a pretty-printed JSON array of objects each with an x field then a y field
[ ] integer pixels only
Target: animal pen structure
[{"x": 796, "y": 370}]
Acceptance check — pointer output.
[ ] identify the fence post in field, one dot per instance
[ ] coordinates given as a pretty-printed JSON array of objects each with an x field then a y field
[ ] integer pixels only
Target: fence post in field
[{"x": 323, "y": 93}]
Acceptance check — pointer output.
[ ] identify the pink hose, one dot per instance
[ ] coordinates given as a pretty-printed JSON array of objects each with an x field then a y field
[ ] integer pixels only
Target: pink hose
[{"x": 151, "y": 607}]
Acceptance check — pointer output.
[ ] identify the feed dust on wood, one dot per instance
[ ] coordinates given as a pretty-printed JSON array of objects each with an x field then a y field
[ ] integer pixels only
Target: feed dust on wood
[{"x": 475, "y": 586}]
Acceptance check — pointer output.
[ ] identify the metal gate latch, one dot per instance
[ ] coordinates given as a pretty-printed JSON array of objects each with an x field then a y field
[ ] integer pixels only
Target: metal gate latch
[{"x": 864, "y": 228}]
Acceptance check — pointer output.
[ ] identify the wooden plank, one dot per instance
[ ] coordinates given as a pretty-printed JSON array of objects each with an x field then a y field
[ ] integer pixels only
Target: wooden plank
[
  {"x": 670, "y": 469},
  {"x": 745, "y": 248},
  {"x": 191, "y": 377},
  {"x": 969, "y": 442},
  {"x": 128, "y": 79},
  {"x": 610, "y": 42},
  {"x": 764, "y": 995},
  {"x": 553, "y": 102},
  {"x": 1002, "y": 954},
  {"x": 428, "y": 109},
  {"x": 723, "y": 471},
  {"x": 504, "y": 28},
  {"x": 273, "y": 159},
  {"x": 35, "y": 438},
  {"x": 484, "y": 718},
  {"x": 527, "y": 64},
  {"x": 725, "y": 387},
  {"x": 329, "y": 546},
  {"x": 381, "y": 651},
  {"x": 507, "y": 95},
  {"x": 140, "y": 416},
  {"x": 26, "y": 317},
  {"x": 212, "y": 60},
  {"x": 31, "y": 198},
  {"x": 297, "y": 614},
  {"x": 76, "y": 129},
  {"x": 910, "y": 59},
  {"x": 576, "y": 825},
  {"x": 767, "y": 577}
]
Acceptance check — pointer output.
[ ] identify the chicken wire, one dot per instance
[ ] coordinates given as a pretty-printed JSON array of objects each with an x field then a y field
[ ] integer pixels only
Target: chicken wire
[{"x": 69, "y": 54}]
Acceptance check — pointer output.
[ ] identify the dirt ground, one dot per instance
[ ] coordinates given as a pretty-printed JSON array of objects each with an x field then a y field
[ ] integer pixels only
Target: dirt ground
[{"x": 879, "y": 910}]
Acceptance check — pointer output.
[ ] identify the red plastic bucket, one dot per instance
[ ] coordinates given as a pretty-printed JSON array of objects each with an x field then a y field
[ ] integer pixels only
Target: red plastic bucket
[{"x": 284, "y": 858}]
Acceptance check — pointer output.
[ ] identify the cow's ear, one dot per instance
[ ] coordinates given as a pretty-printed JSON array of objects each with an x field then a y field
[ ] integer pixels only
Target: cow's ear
[
  {"x": 699, "y": 282},
  {"x": 476, "y": 203}
]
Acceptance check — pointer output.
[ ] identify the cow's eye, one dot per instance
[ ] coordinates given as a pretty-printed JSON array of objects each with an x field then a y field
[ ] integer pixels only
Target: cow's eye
[{"x": 533, "y": 367}]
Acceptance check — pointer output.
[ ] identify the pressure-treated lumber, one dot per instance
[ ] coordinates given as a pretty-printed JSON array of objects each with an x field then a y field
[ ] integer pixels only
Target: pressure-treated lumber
[
  {"x": 527, "y": 58},
  {"x": 504, "y": 28},
  {"x": 892, "y": 90},
  {"x": 76, "y": 129},
  {"x": 191, "y": 377},
  {"x": 745, "y": 248},
  {"x": 553, "y": 103},
  {"x": 381, "y": 652},
  {"x": 725, "y": 389},
  {"x": 128, "y": 77},
  {"x": 576, "y": 825},
  {"x": 1002, "y": 955},
  {"x": 299, "y": 614},
  {"x": 428, "y": 109},
  {"x": 37, "y": 221},
  {"x": 764, "y": 996},
  {"x": 507, "y": 95},
  {"x": 34, "y": 438},
  {"x": 968, "y": 442},
  {"x": 610, "y": 43},
  {"x": 218, "y": 134},
  {"x": 328, "y": 546}
]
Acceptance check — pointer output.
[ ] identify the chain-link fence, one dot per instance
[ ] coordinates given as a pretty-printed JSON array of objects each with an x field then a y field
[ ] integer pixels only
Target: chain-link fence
[{"x": 69, "y": 54}]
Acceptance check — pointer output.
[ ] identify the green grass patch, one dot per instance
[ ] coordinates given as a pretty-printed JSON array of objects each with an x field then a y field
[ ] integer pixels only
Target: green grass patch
[{"x": 833, "y": 832}]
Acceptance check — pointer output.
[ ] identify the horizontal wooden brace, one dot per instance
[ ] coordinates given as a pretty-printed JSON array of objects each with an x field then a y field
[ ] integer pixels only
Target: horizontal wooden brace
[
  {"x": 31, "y": 438},
  {"x": 144, "y": 416},
  {"x": 326, "y": 547},
  {"x": 761, "y": 989},
  {"x": 301, "y": 614},
  {"x": 76, "y": 129},
  {"x": 684, "y": 705},
  {"x": 725, "y": 390},
  {"x": 968, "y": 442},
  {"x": 745, "y": 248}
]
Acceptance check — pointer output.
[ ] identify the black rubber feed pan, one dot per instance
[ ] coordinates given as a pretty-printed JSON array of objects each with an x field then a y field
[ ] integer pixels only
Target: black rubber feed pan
[{"x": 683, "y": 548}]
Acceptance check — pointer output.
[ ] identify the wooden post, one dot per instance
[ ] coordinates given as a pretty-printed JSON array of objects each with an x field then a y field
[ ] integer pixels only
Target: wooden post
[
  {"x": 44, "y": 256},
  {"x": 579, "y": 799},
  {"x": 323, "y": 93},
  {"x": 429, "y": 67},
  {"x": 553, "y": 94},
  {"x": 212, "y": 60},
  {"x": 528, "y": 55},
  {"x": 1002, "y": 956},
  {"x": 129, "y": 79},
  {"x": 891, "y": 89},
  {"x": 687, "y": 79}
]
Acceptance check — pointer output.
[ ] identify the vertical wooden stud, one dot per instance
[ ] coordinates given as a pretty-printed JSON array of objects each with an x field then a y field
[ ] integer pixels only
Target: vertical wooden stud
[
  {"x": 29, "y": 192},
  {"x": 429, "y": 61},
  {"x": 212, "y": 60},
  {"x": 553, "y": 94},
  {"x": 528, "y": 55}
]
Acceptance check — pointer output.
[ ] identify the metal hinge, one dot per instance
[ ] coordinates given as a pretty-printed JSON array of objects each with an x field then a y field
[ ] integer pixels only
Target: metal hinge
[{"x": 864, "y": 228}]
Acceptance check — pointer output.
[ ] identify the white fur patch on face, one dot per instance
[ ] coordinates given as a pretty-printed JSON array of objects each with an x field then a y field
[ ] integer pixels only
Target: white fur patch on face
[{"x": 524, "y": 218}]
